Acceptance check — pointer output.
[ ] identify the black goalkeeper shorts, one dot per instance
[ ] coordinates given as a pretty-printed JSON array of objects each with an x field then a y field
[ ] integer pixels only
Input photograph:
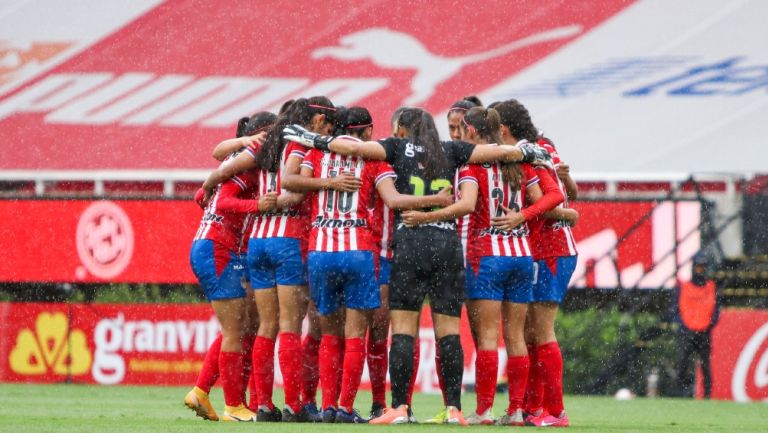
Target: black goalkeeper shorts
[{"x": 427, "y": 262}]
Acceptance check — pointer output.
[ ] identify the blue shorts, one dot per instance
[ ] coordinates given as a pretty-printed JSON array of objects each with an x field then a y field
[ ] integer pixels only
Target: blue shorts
[
  {"x": 246, "y": 272},
  {"x": 274, "y": 261},
  {"x": 508, "y": 279},
  {"x": 218, "y": 270},
  {"x": 552, "y": 277},
  {"x": 343, "y": 278},
  {"x": 385, "y": 268}
]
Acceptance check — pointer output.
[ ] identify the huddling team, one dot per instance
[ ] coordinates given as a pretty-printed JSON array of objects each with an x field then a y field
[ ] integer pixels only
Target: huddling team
[{"x": 307, "y": 217}]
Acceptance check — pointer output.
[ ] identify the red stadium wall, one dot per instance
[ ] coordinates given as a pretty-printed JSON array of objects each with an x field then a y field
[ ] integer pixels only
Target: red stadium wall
[{"x": 147, "y": 241}]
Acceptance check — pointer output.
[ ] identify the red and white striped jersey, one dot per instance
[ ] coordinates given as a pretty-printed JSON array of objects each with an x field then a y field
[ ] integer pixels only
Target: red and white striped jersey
[
  {"x": 462, "y": 224},
  {"x": 281, "y": 223},
  {"x": 493, "y": 193},
  {"x": 228, "y": 214},
  {"x": 342, "y": 221},
  {"x": 382, "y": 219},
  {"x": 552, "y": 238}
]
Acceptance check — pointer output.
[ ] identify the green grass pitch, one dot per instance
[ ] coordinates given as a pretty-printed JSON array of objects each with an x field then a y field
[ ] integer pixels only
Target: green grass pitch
[{"x": 82, "y": 408}]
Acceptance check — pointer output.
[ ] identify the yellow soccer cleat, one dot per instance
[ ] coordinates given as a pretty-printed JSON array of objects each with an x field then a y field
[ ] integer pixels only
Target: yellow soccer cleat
[
  {"x": 439, "y": 418},
  {"x": 238, "y": 413},
  {"x": 198, "y": 401}
]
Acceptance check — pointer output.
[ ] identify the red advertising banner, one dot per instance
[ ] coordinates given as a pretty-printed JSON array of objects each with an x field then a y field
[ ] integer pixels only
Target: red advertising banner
[
  {"x": 105, "y": 344},
  {"x": 142, "y": 344},
  {"x": 88, "y": 241},
  {"x": 740, "y": 356},
  {"x": 147, "y": 241}
]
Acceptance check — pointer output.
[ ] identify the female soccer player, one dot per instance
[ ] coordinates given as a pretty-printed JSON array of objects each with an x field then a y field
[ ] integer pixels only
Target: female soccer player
[
  {"x": 499, "y": 264},
  {"x": 456, "y": 113},
  {"x": 427, "y": 259},
  {"x": 197, "y": 399},
  {"x": 554, "y": 250},
  {"x": 276, "y": 260},
  {"x": 216, "y": 263},
  {"x": 342, "y": 260}
]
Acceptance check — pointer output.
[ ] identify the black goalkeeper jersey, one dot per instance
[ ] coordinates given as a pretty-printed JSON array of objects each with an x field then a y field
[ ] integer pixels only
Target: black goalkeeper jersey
[{"x": 405, "y": 157}]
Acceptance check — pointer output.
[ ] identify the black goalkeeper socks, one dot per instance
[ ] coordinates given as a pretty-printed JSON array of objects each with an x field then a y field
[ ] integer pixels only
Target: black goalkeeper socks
[
  {"x": 401, "y": 367},
  {"x": 452, "y": 366}
]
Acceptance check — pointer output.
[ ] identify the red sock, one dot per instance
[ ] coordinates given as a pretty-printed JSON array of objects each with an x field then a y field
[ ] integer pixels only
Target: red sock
[
  {"x": 534, "y": 390},
  {"x": 290, "y": 366},
  {"x": 247, "y": 361},
  {"x": 354, "y": 361},
  {"x": 517, "y": 378},
  {"x": 264, "y": 369},
  {"x": 552, "y": 366},
  {"x": 377, "y": 368},
  {"x": 486, "y": 372},
  {"x": 340, "y": 371},
  {"x": 209, "y": 374},
  {"x": 231, "y": 367},
  {"x": 310, "y": 372},
  {"x": 253, "y": 393},
  {"x": 439, "y": 369},
  {"x": 416, "y": 360},
  {"x": 331, "y": 359}
]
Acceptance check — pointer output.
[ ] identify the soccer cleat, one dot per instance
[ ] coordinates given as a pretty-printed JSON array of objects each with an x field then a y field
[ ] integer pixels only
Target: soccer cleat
[
  {"x": 454, "y": 416},
  {"x": 547, "y": 420},
  {"x": 398, "y": 415},
  {"x": 290, "y": 416},
  {"x": 485, "y": 418},
  {"x": 351, "y": 417},
  {"x": 377, "y": 410},
  {"x": 515, "y": 418},
  {"x": 265, "y": 414},
  {"x": 198, "y": 401},
  {"x": 313, "y": 415},
  {"x": 329, "y": 415},
  {"x": 437, "y": 419},
  {"x": 238, "y": 413},
  {"x": 411, "y": 417}
]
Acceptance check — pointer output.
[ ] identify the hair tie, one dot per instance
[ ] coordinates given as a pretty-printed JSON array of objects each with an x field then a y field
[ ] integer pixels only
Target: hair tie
[
  {"x": 358, "y": 126},
  {"x": 321, "y": 106}
]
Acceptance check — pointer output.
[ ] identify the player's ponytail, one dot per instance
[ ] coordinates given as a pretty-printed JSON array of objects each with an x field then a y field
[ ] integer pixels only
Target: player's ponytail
[
  {"x": 421, "y": 128},
  {"x": 300, "y": 112},
  {"x": 241, "y": 126},
  {"x": 487, "y": 123}
]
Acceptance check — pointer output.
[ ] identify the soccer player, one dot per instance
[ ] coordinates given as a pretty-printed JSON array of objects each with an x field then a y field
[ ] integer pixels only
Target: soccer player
[
  {"x": 198, "y": 398},
  {"x": 427, "y": 259},
  {"x": 342, "y": 260},
  {"x": 276, "y": 260},
  {"x": 554, "y": 251},
  {"x": 216, "y": 263},
  {"x": 456, "y": 113},
  {"x": 500, "y": 266}
]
